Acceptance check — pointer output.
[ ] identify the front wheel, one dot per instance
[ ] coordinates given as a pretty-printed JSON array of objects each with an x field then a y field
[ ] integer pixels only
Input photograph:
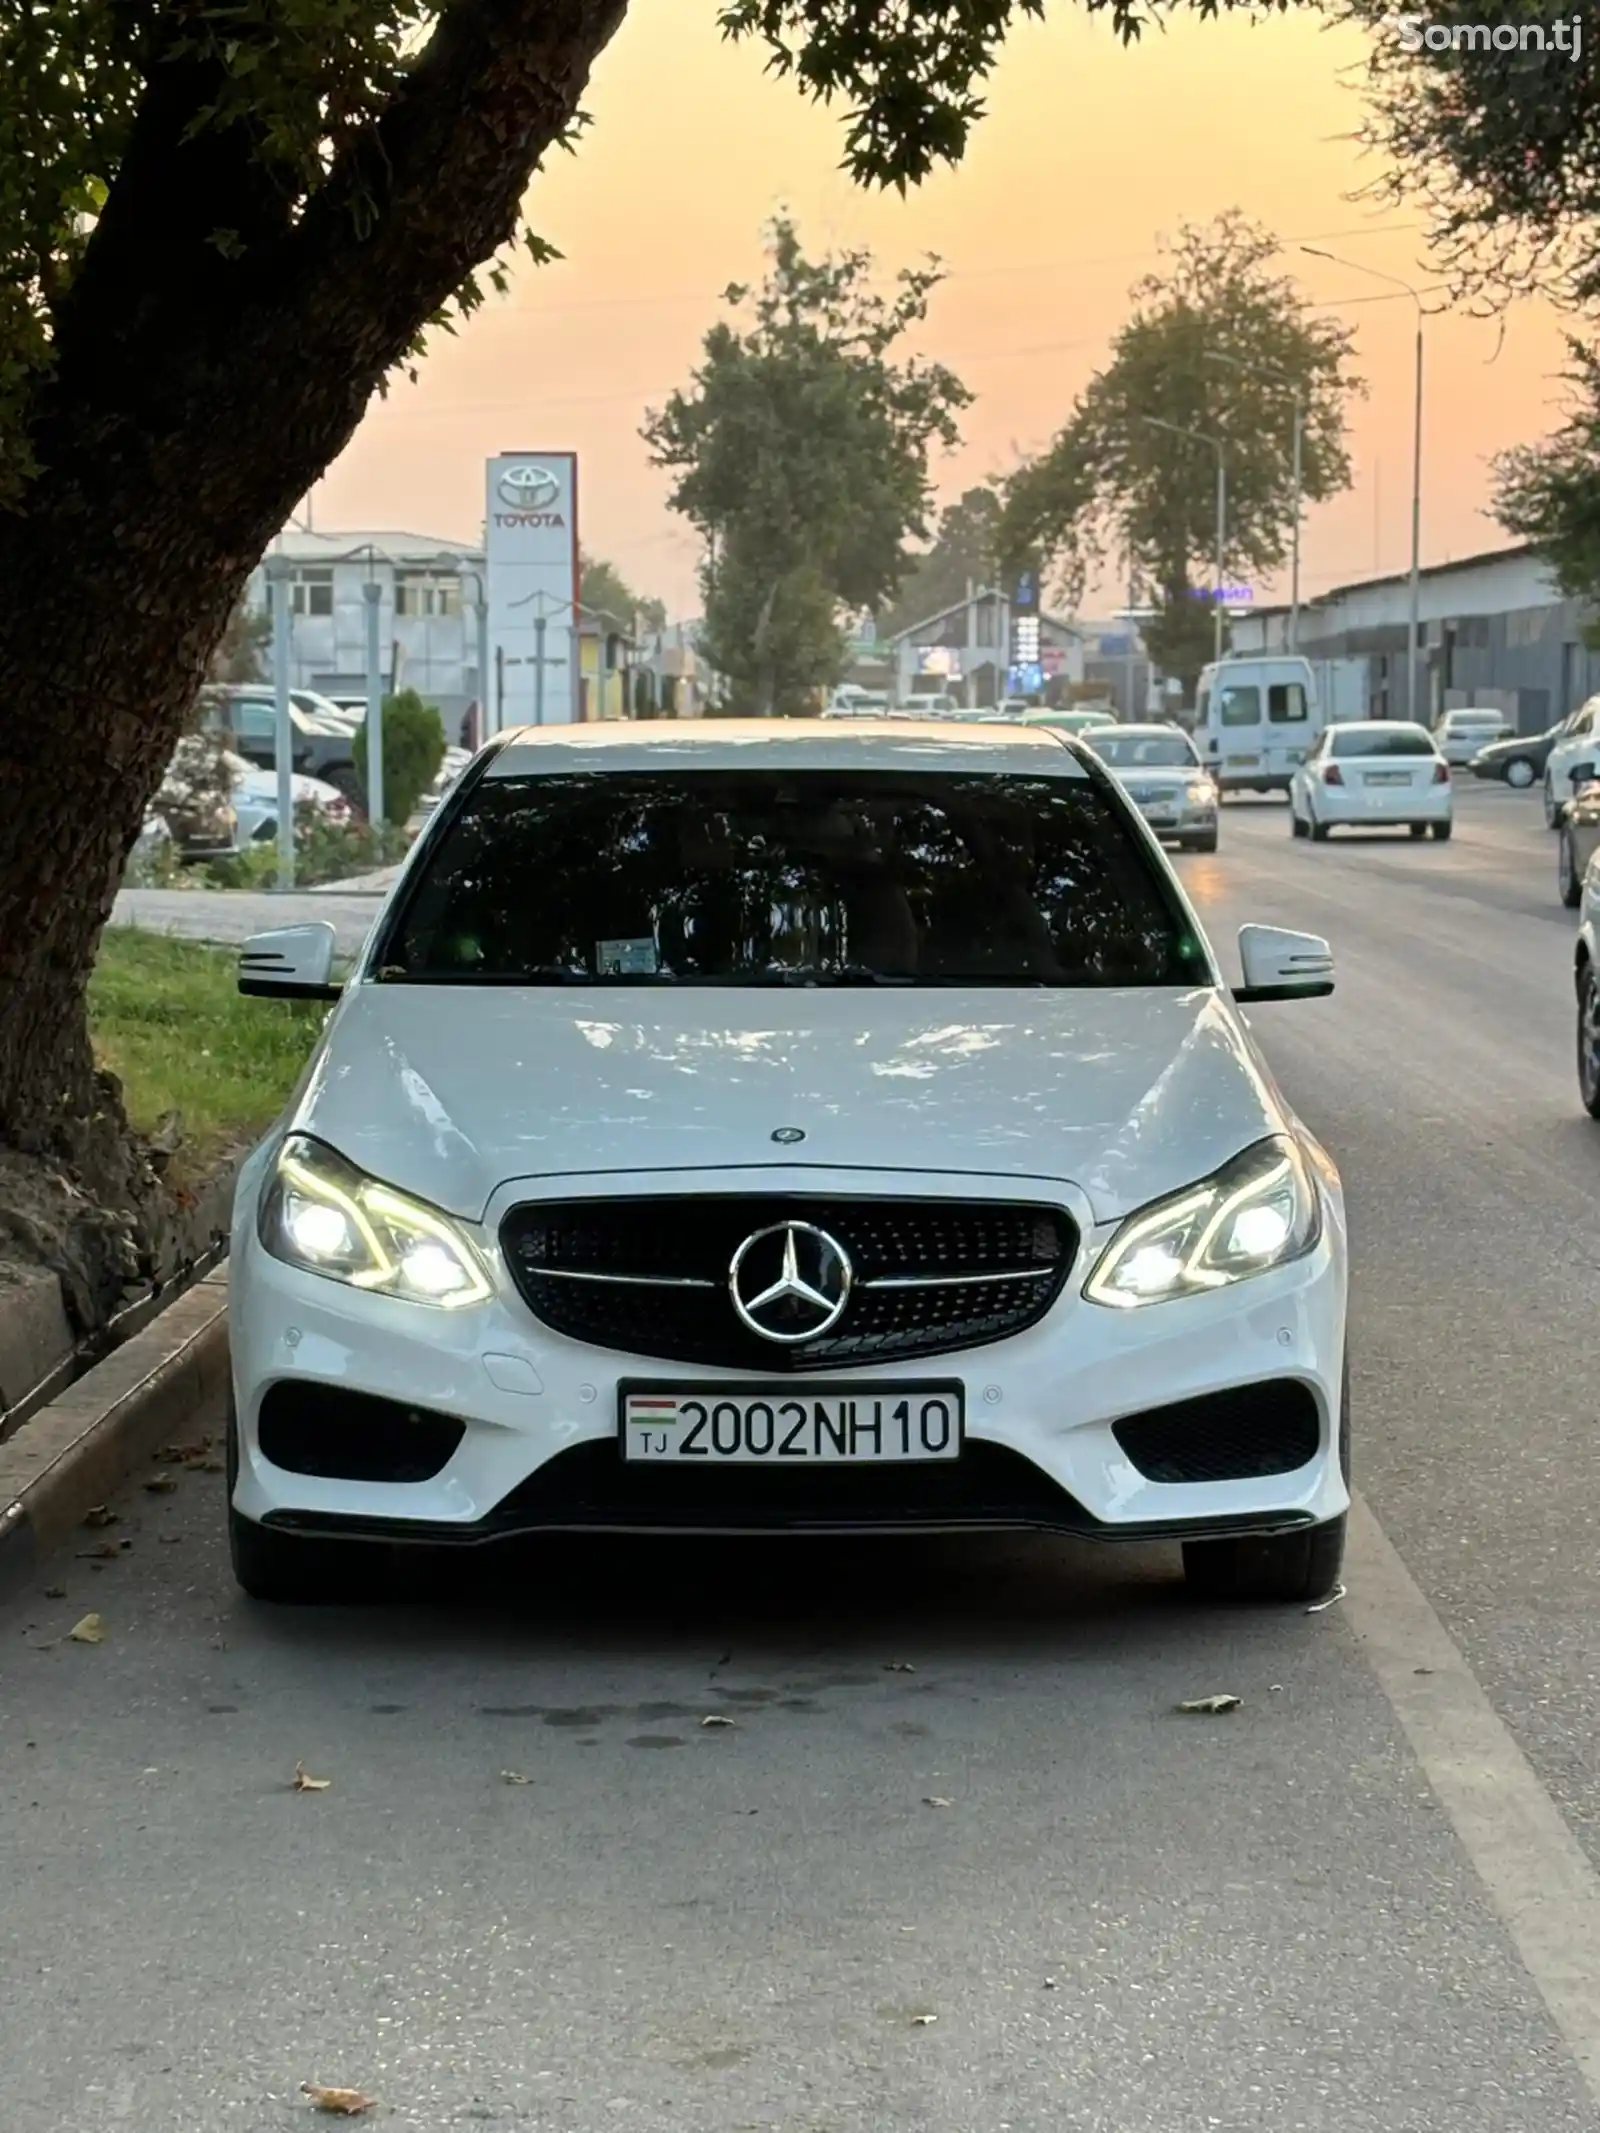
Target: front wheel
[
  {"x": 1319, "y": 832},
  {"x": 1552, "y": 814},
  {"x": 1201, "y": 844},
  {"x": 1589, "y": 1040},
  {"x": 1568, "y": 885},
  {"x": 1419, "y": 829},
  {"x": 1286, "y": 1567},
  {"x": 289, "y": 1569},
  {"x": 1520, "y": 774},
  {"x": 1441, "y": 833}
]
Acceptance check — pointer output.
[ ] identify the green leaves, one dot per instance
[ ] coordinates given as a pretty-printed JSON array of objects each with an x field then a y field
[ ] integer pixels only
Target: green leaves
[
  {"x": 801, "y": 454},
  {"x": 1217, "y": 346},
  {"x": 1550, "y": 493}
]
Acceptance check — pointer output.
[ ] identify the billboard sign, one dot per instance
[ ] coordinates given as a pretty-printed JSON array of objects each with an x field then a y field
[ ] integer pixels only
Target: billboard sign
[{"x": 531, "y": 565}]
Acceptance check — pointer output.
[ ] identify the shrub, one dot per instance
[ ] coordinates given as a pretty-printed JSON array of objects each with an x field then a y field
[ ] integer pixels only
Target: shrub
[{"x": 413, "y": 750}]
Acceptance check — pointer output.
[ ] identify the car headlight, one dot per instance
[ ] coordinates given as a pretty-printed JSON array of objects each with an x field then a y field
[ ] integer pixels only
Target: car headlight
[
  {"x": 1258, "y": 1211},
  {"x": 1200, "y": 791},
  {"x": 322, "y": 1214}
]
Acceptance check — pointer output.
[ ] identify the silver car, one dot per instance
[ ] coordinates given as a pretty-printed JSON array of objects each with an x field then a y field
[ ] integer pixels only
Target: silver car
[{"x": 1164, "y": 778}]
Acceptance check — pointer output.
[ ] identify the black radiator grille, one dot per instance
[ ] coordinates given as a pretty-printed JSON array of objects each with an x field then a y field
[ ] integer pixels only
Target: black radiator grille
[{"x": 651, "y": 1276}]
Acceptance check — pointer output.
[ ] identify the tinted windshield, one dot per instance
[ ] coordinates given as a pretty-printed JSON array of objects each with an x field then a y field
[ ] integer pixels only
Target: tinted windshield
[
  {"x": 1382, "y": 740},
  {"x": 775, "y": 877},
  {"x": 1149, "y": 751}
]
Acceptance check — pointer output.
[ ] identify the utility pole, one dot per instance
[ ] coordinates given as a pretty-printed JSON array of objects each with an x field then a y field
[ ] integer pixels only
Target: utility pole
[
  {"x": 1297, "y": 470},
  {"x": 372, "y": 593},
  {"x": 278, "y": 572},
  {"x": 1415, "y": 623}
]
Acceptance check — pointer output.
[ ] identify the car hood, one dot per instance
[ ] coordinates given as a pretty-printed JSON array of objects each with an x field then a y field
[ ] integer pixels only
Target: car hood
[
  {"x": 1168, "y": 776},
  {"x": 449, "y": 1093}
]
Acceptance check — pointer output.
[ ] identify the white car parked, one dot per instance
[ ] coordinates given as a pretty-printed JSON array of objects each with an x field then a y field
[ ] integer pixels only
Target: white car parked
[
  {"x": 1461, "y": 735},
  {"x": 1372, "y": 774},
  {"x": 788, "y": 1127},
  {"x": 1164, "y": 778},
  {"x": 1572, "y": 761}
]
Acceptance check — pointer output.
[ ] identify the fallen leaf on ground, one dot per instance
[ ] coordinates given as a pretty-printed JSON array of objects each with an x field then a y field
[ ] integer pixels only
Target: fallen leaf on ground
[
  {"x": 91, "y": 1630},
  {"x": 100, "y": 1515},
  {"x": 716, "y": 1720},
  {"x": 1049, "y": 1984},
  {"x": 923, "y": 2021},
  {"x": 184, "y": 1454},
  {"x": 339, "y": 2103},
  {"x": 55, "y": 1592},
  {"x": 107, "y": 1552},
  {"x": 932, "y": 1799},
  {"x": 1210, "y": 1705},
  {"x": 304, "y": 1782},
  {"x": 1320, "y": 1607},
  {"x": 167, "y": 1539},
  {"x": 163, "y": 1485},
  {"x": 515, "y": 1777},
  {"x": 899, "y": 1666},
  {"x": 211, "y": 1466}
]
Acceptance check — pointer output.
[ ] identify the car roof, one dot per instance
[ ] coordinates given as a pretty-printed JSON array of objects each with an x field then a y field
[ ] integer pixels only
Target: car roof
[
  {"x": 1153, "y": 731},
  {"x": 781, "y": 744}
]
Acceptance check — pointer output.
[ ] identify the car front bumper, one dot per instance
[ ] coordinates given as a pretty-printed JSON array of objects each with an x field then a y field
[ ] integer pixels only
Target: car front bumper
[{"x": 1225, "y": 1380}]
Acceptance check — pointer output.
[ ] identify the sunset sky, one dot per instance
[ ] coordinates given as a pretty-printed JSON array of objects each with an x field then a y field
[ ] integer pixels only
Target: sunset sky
[{"x": 1088, "y": 155}]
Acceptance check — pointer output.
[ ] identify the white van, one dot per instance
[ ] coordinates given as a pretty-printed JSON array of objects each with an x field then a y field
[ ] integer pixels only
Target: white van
[{"x": 1255, "y": 721}]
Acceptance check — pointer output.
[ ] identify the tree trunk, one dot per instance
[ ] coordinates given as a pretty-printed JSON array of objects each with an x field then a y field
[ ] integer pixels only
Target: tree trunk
[{"x": 194, "y": 398}]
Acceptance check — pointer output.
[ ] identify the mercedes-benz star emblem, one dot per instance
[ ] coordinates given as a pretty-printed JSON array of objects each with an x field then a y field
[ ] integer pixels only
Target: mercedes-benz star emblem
[
  {"x": 789, "y": 1136},
  {"x": 790, "y": 1283},
  {"x": 529, "y": 488}
]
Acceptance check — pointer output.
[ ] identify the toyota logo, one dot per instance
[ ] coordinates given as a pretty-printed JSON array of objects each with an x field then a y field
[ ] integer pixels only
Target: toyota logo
[
  {"x": 529, "y": 488},
  {"x": 790, "y": 1283}
]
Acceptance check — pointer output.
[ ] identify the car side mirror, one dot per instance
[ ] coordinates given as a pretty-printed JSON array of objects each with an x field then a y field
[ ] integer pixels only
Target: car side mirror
[
  {"x": 1279, "y": 965},
  {"x": 294, "y": 963}
]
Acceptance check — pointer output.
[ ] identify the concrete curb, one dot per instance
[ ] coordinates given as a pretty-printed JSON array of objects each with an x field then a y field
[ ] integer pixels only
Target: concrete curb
[{"x": 76, "y": 1451}]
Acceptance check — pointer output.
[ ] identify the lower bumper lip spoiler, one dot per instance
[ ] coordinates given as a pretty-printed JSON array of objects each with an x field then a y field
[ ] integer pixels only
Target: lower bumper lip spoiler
[{"x": 422, "y": 1533}]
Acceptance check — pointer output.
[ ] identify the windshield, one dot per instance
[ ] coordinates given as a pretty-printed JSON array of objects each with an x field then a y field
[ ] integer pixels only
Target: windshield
[
  {"x": 784, "y": 877},
  {"x": 1382, "y": 740},
  {"x": 1147, "y": 751}
]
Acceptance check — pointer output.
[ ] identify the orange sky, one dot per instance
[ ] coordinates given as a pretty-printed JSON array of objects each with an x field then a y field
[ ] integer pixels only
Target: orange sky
[{"x": 1088, "y": 155}]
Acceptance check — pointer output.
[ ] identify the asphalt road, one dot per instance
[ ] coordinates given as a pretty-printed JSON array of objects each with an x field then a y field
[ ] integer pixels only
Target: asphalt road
[{"x": 1364, "y": 1900}]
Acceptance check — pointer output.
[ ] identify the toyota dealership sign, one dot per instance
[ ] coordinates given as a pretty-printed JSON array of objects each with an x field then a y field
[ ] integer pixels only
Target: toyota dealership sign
[{"x": 531, "y": 525}]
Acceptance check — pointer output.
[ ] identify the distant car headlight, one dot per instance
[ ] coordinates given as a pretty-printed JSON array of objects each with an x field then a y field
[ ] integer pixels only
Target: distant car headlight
[
  {"x": 1259, "y": 1211},
  {"x": 322, "y": 1214},
  {"x": 1200, "y": 792}
]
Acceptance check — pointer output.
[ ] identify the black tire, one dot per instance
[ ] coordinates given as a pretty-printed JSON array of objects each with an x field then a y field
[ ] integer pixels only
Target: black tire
[
  {"x": 1288, "y": 1568},
  {"x": 1552, "y": 814},
  {"x": 1589, "y": 1040},
  {"x": 1319, "y": 832},
  {"x": 1520, "y": 773},
  {"x": 1296, "y": 827},
  {"x": 1291, "y": 1568},
  {"x": 1201, "y": 844},
  {"x": 288, "y": 1570},
  {"x": 1441, "y": 832},
  {"x": 1568, "y": 885},
  {"x": 1419, "y": 829}
]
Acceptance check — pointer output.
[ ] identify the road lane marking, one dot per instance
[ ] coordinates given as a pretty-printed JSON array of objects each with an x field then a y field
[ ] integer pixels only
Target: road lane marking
[{"x": 1537, "y": 1874}]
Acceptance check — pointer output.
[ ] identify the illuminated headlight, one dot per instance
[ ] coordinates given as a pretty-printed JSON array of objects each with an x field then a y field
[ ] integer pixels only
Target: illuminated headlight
[
  {"x": 1200, "y": 792},
  {"x": 322, "y": 1214},
  {"x": 1259, "y": 1211}
]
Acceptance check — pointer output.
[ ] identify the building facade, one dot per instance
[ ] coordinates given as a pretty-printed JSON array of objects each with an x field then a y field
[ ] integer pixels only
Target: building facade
[
  {"x": 1493, "y": 631},
  {"x": 428, "y": 596},
  {"x": 964, "y": 651}
]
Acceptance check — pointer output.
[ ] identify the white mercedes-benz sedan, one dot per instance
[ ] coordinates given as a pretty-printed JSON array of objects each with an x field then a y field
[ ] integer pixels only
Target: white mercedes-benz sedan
[{"x": 789, "y": 1127}]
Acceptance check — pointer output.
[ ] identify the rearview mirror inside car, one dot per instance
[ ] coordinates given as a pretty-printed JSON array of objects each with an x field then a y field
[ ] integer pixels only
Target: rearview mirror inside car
[
  {"x": 294, "y": 963},
  {"x": 1279, "y": 965}
]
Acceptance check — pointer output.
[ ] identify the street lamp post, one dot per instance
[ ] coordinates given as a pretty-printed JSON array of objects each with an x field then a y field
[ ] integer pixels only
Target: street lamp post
[
  {"x": 1177, "y": 429},
  {"x": 1356, "y": 267},
  {"x": 372, "y": 593},
  {"x": 279, "y": 571},
  {"x": 1297, "y": 399}
]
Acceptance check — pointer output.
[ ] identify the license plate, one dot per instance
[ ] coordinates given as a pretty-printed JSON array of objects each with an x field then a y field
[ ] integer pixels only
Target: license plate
[
  {"x": 1244, "y": 759},
  {"x": 817, "y": 1425},
  {"x": 1388, "y": 777},
  {"x": 1160, "y": 816}
]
